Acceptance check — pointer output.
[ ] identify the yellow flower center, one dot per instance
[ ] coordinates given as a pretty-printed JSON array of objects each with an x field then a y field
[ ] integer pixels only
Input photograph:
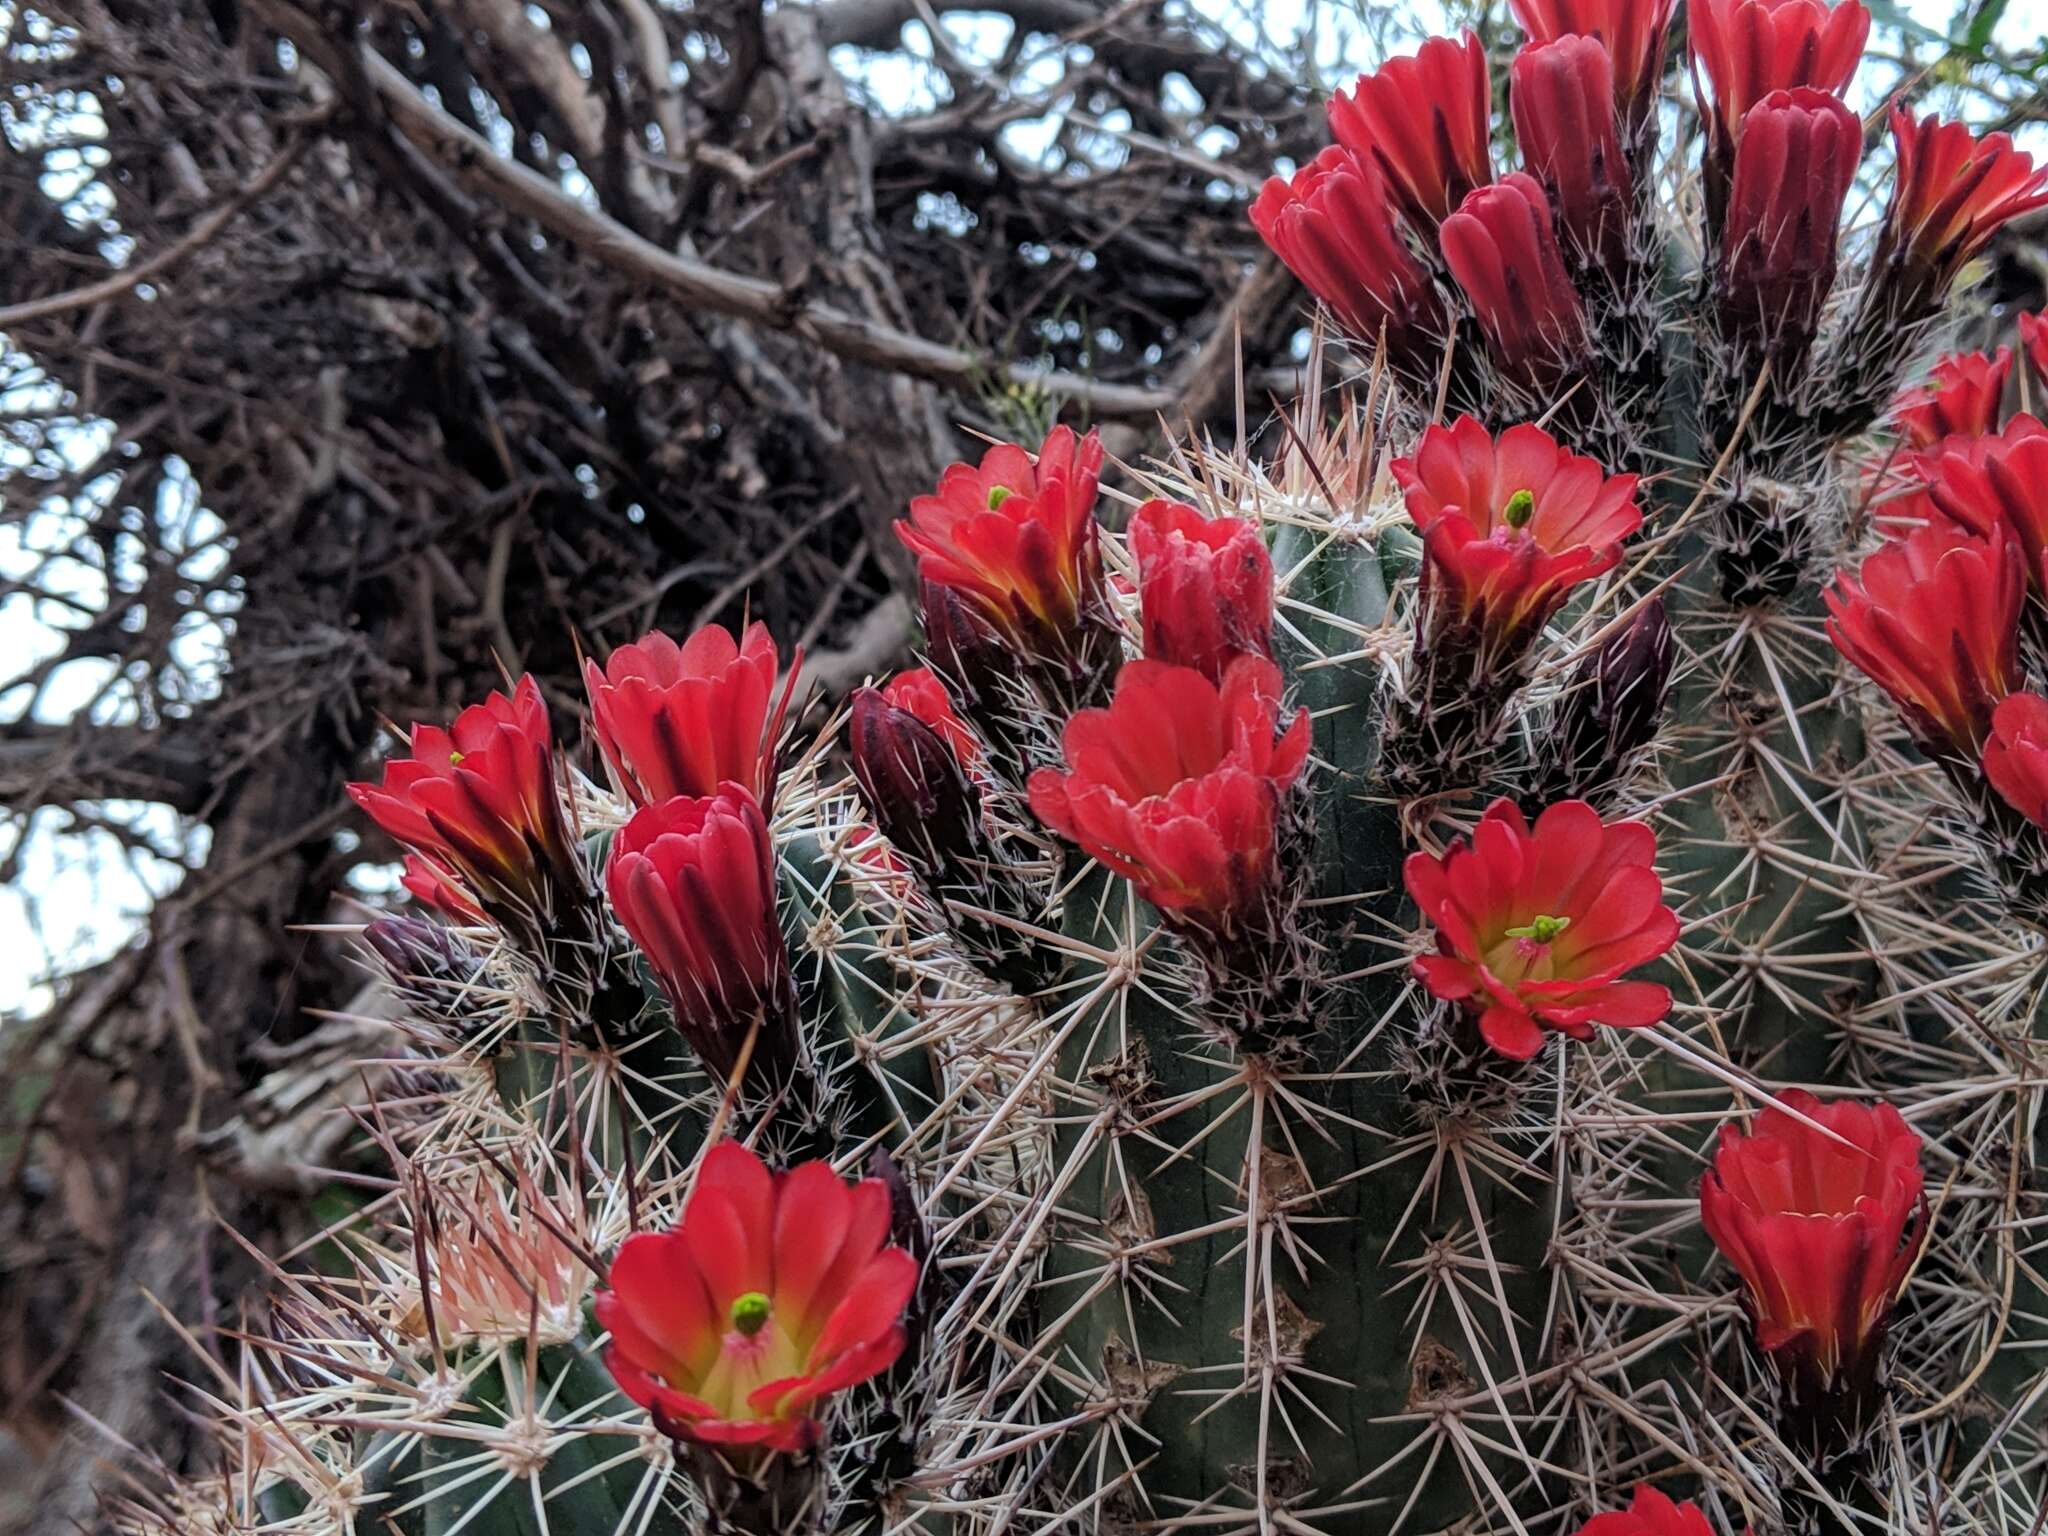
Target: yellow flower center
[
  {"x": 1541, "y": 929},
  {"x": 750, "y": 1313}
]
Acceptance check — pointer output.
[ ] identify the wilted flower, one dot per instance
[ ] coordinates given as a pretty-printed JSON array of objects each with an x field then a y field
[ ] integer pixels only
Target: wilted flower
[
  {"x": 682, "y": 720},
  {"x": 1562, "y": 96},
  {"x": 1960, "y": 398},
  {"x": 1823, "y": 1235},
  {"x": 1933, "y": 620},
  {"x": 1177, "y": 784},
  {"x": 775, "y": 1291},
  {"x": 693, "y": 882},
  {"x": 1502, "y": 251},
  {"x": 1334, "y": 226},
  {"x": 1535, "y": 927},
  {"x": 1509, "y": 527},
  {"x": 1633, "y": 34},
  {"x": 1016, "y": 539},
  {"x": 1793, "y": 168},
  {"x": 500, "y": 1268},
  {"x": 1424, "y": 121},
  {"x": 480, "y": 804},
  {"x": 1650, "y": 1513},
  {"x": 1205, "y": 586}
]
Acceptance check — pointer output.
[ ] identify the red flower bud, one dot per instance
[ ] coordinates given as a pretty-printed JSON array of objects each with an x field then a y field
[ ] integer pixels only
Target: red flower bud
[
  {"x": 1933, "y": 620},
  {"x": 1743, "y": 50},
  {"x": 1999, "y": 480},
  {"x": 1610, "y": 710},
  {"x": 480, "y": 804},
  {"x": 1633, "y": 33},
  {"x": 1205, "y": 585},
  {"x": 1562, "y": 96},
  {"x": 919, "y": 690},
  {"x": 774, "y": 1291},
  {"x": 693, "y": 881},
  {"x": 1335, "y": 228},
  {"x": 1423, "y": 121},
  {"x": 1177, "y": 785},
  {"x": 1822, "y": 1234},
  {"x": 915, "y": 786},
  {"x": 1793, "y": 168},
  {"x": 1650, "y": 1513},
  {"x": 1961, "y": 398},
  {"x": 1015, "y": 537},
  {"x": 1501, "y": 248},
  {"x": 1535, "y": 927},
  {"x": 2016, "y": 755},
  {"x": 682, "y": 720},
  {"x": 1509, "y": 527},
  {"x": 1951, "y": 193}
]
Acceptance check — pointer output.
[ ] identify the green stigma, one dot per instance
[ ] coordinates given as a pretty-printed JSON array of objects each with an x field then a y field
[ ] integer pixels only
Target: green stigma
[
  {"x": 750, "y": 1313},
  {"x": 1541, "y": 929},
  {"x": 1520, "y": 508},
  {"x": 455, "y": 759},
  {"x": 997, "y": 495}
]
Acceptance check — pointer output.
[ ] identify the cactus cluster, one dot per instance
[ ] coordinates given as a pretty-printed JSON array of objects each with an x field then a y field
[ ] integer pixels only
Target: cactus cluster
[{"x": 1475, "y": 971}]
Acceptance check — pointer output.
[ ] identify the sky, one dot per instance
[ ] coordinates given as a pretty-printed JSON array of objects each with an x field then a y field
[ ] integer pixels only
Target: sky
[{"x": 77, "y": 894}]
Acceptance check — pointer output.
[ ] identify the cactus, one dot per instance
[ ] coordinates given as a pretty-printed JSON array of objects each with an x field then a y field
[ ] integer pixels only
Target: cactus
[{"x": 1337, "y": 1018}]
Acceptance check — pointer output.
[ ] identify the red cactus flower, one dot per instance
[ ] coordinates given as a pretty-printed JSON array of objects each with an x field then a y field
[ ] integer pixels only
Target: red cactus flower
[
  {"x": 1961, "y": 398},
  {"x": 1633, "y": 33},
  {"x": 1951, "y": 193},
  {"x": 2000, "y": 479},
  {"x": 1177, "y": 785},
  {"x": 1509, "y": 527},
  {"x": 2034, "y": 339},
  {"x": 1743, "y": 50},
  {"x": 775, "y": 1291},
  {"x": 918, "y": 690},
  {"x": 1793, "y": 168},
  {"x": 1562, "y": 95},
  {"x": 1205, "y": 586},
  {"x": 1536, "y": 926},
  {"x": 1501, "y": 248},
  {"x": 1933, "y": 620},
  {"x": 1335, "y": 228},
  {"x": 1016, "y": 537},
  {"x": 431, "y": 883},
  {"x": 1650, "y": 1513},
  {"x": 2016, "y": 755},
  {"x": 682, "y": 720},
  {"x": 1424, "y": 122},
  {"x": 1822, "y": 1234},
  {"x": 693, "y": 881},
  {"x": 481, "y": 803}
]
